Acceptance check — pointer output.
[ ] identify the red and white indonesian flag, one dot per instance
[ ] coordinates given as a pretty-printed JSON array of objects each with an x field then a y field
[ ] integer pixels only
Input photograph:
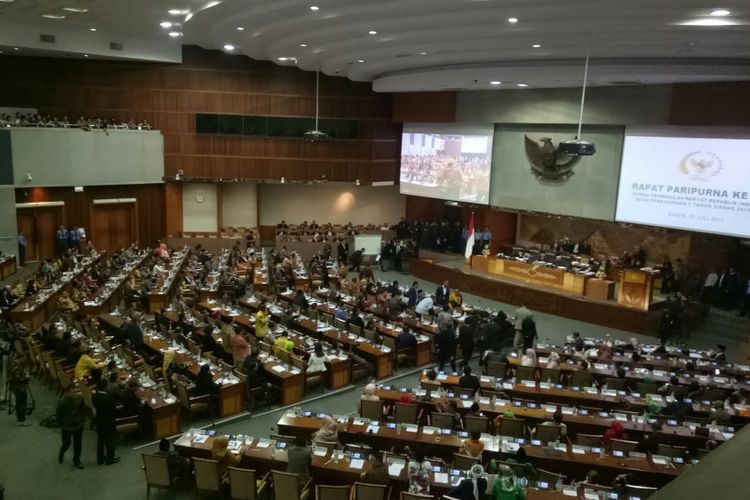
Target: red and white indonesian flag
[{"x": 470, "y": 238}]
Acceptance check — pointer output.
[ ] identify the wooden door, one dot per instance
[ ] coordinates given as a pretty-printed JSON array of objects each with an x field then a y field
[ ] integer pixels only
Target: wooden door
[
  {"x": 113, "y": 226},
  {"x": 39, "y": 225}
]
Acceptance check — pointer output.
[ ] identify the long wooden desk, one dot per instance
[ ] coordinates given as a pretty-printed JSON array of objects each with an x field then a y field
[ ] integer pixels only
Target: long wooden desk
[
  {"x": 531, "y": 273},
  {"x": 7, "y": 266},
  {"x": 159, "y": 297},
  {"x": 571, "y": 462}
]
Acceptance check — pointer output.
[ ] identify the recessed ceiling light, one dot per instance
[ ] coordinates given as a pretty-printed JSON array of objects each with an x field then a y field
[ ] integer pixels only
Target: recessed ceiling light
[
  {"x": 522, "y": 85},
  {"x": 423, "y": 53},
  {"x": 175, "y": 12},
  {"x": 303, "y": 45},
  {"x": 228, "y": 46},
  {"x": 92, "y": 29},
  {"x": 7, "y": 1},
  {"x": 282, "y": 59},
  {"x": 75, "y": 9},
  {"x": 240, "y": 28},
  {"x": 85, "y": 55},
  {"x": 373, "y": 32},
  {"x": 536, "y": 46},
  {"x": 15, "y": 48},
  {"x": 165, "y": 24},
  {"x": 720, "y": 13},
  {"x": 513, "y": 20},
  {"x": 314, "y": 7},
  {"x": 53, "y": 16},
  {"x": 360, "y": 60},
  {"x": 708, "y": 21},
  {"x": 175, "y": 34},
  {"x": 495, "y": 82}
]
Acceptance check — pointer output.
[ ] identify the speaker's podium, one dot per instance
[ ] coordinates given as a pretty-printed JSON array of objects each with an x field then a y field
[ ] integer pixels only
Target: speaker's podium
[{"x": 636, "y": 289}]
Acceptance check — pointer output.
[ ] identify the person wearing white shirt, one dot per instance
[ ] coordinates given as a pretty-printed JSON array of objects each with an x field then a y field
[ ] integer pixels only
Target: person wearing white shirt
[
  {"x": 521, "y": 314},
  {"x": 317, "y": 361},
  {"x": 708, "y": 294},
  {"x": 424, "y": 305}
]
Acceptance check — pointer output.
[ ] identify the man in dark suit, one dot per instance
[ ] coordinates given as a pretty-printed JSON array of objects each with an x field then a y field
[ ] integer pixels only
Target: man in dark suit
[
  {"x": 133, "y": 333},
  {"x": 412, "y": 295},
  {"x": 342, "y": 251},
  {"x": 106, "y": 428},
  {"x": 442, "y": 293},
  {"x": 357, "y": 257}
]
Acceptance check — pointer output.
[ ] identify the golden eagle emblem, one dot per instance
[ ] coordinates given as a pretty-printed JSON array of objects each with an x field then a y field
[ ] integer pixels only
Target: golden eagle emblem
[{"x": 547, "y": 161}]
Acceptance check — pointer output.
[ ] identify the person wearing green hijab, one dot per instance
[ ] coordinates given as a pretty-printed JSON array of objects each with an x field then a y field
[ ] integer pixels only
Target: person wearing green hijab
[{"x": 507, "y": 486}]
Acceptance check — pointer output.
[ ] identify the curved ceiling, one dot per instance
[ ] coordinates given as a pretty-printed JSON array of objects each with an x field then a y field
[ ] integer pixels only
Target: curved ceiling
[{"x": 403, "y": 45}]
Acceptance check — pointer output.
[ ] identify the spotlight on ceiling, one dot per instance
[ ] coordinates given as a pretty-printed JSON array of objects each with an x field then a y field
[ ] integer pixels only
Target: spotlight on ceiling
[
  {"x": 720, "y": 12},
  {"x": 229, "y": 47},
  {"x": 496, "y": 82},
  {"x": 165, "y": 24},
  {"x": 512, "y": 20}
]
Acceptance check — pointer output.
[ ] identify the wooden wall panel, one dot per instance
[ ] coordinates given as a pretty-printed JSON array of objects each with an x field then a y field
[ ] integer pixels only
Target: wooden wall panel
[
  {"x": 424, "y": 107},
  {"x": 169, "y": 95},
  {"x": 724, "y": 104},
  {"x": 149, "y": 220}
]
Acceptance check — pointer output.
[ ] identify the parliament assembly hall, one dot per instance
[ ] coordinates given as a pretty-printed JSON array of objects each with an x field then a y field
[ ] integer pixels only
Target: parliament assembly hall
[{"x": 389, "y": 250}]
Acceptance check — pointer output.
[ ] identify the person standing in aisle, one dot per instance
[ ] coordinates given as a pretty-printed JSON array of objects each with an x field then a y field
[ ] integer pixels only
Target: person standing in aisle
[
  {"x": 21, "y": 249},
  {"x": 74, "y": 238},
  {"x": 71, "y": 415},
  {"x": 106, "y": 429}
]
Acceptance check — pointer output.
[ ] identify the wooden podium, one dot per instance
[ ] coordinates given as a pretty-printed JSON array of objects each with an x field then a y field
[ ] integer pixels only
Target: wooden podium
[{"x": 636, "y": 289}]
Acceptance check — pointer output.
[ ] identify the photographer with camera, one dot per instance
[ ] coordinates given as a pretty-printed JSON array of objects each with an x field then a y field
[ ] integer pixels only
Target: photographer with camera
[{"x": 18, "y": 383}]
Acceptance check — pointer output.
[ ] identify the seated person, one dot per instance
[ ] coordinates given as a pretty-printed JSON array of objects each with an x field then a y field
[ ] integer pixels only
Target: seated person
[
  {"x": 378, "y": 473},
  {"x": 299, "y": 457},
  {"x": 204, "y": 382},
  {"x": 178, "y": 466},
  {"x": 283, "y": 343},
  {"x": 369, "y": 395},
  {"x": 225, "y": 457},
  {"x": 473, "y": 487},
  {"x": 406, "y": 340},
  {"x": 469, "y": 381},
  {"x": 86, "y": 363},
  {"x": 317, "y": 361},
  {"x": 472, "y": 446}
]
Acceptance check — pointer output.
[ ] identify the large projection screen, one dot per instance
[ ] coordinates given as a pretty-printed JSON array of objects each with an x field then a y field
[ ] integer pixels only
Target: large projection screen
[
  {"x": 589, "y": 189},
  {"x": 449, "y": 162},
  {"x": 694, "y": 183}
]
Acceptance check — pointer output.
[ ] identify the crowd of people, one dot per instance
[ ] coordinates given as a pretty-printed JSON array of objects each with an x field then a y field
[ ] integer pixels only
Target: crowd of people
[
  {"x": 83, "y": 122},
  {"x": 463, "y": 178}
]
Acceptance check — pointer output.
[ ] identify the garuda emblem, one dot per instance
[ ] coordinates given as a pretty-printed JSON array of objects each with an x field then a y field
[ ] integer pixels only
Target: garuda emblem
[{"x": 549, "y": 162}]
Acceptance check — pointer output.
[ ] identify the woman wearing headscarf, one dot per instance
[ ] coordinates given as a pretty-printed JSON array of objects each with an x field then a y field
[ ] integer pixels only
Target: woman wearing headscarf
[
  {"x": 420, "y": 472},
  {"x": 615, "y": 431},
  {"x": 529, "y": 359},
  {"x": 329, "y": 433},
  {"x": 471, "y": 488},
  {"x": 507, "y": 486},
  {"x": 225, "y": 457},
  {"x": 553, "y": 361}
]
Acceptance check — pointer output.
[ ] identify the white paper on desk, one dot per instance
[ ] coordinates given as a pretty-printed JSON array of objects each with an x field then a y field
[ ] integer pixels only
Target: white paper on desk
[
  {"x": 528, "y": 383},
  {"x": 466, "y": 403},
  {"x": 658, "y": 459},
  {"x": 263, "y": 443},
  {"x": 545, "y": 385},
  {"x": 486, "y": 378},
  {"x": 621, "y": 417},
  {"x": 200, "y": 439},
  {"x": 591, "y": 390},
  {"x": 441, "y": 477},
  {"x": 435, "y": 394},
  {"x": 429, "y": 431},
  {"x": 320, "y": 452},
  {"x": 442, "y": 376},
  {"x": 170, "y": 400},
  {"x": 278, "y": 369},
  {"x": 570, "y": 492},
  {"x": 395, "y": 468},
  {"x": 549, "y": 408},
  {"x": 484, "y": 400},
  {"x": 373, "y": 429},
  {"x": 578, "y": 450},
  {"x": 727, "y": 435},
  {"x": 609, "y": 392},
  {"x": 502, "y": 402},
  {"x": 411, "y": 428},
  {"x": 591, "y": 495},
  {"x": 568, "y": 410},
  {"x": 507, "y": 385},
  {"x": 357, "y": 463},
  {"x": 359, "y": 421}
]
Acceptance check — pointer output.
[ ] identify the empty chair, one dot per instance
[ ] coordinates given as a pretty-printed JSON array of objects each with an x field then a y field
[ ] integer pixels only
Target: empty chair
[
  {"x": 340, "y": 324},
  {"x": 281, "y": 438},
  {"x": 496, "y": 369},
  {"x": 590, "y": 440},
  {"x": 325, "y": 492},
  {"x": 671, "y": 451},
  {"x": 157, "y": 473},
  {"x": 442, "y": 420},
  {"x": 580, "y": 379},
  {"x": 287, "y": 486},
  {"x": 548, "y": 477},
  {"x": 207, "y": 475},
  {"x": 193, "y": 405},
  {"x": 465, "y": 462},
  {"x": 365, "y": 491},
  {"x": 644, "y": 388},
  {"x": 414, "y": 496},
  {"x": 547, "y": 433},
  {"x": 623, "y": 445},
  {"x": 618, "y": 384},
  {"x": 406, "y": 413},
  {"x": 633, "y": 492},
  {"x": 511, "y": 427},
  {"x": 244, "y": 484},
  {"x": 476, "y": 424},
  {"x": 550, "y": 375},
  {"x": 463, "y": 391},
  {"x": 525, "y": 373},
  {"x": 371, "y": 409}
]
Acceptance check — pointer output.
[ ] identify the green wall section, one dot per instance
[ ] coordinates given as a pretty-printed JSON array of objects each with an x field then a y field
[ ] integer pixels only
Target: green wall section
[
  {"x": 590, "y": 192},
  {"x": 6, "y": 158}
]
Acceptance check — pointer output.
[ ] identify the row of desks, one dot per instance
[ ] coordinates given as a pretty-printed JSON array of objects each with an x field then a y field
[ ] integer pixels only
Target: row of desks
[{"x": 7, "y": 266}]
